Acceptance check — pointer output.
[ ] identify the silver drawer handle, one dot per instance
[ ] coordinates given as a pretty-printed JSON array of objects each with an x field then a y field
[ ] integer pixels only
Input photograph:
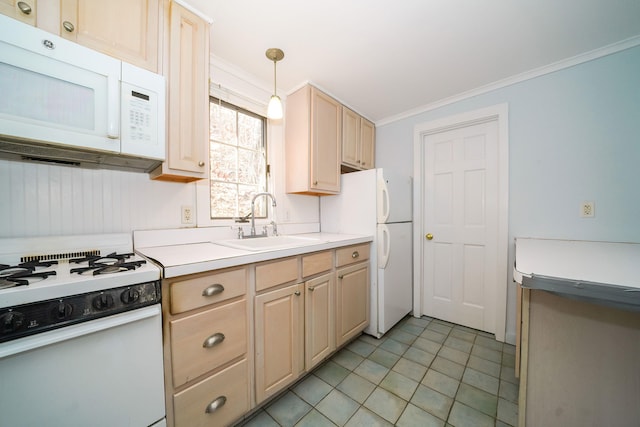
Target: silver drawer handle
[
  {"x": 214, "y": 339},
  {"x": 216, "y": 404},
  {"x": 213, "y": 290},
  {"x": 68, "y": 26},
  {"x": 24, "y": 8},
  {"x": 355, "y": 254}
]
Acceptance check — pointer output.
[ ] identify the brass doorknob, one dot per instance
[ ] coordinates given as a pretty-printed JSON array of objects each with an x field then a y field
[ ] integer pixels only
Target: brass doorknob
[{"x": 429, "y": 236}]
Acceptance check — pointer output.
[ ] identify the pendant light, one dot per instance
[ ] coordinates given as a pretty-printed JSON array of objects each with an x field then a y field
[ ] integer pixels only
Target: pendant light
[{"x": 274, "y": 110}]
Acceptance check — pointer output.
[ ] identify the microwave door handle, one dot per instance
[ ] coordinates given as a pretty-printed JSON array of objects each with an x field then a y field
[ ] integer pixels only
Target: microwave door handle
[{"x": 113, "y": 107}]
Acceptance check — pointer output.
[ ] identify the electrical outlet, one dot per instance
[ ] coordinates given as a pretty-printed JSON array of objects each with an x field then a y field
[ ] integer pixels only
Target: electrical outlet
[
  {"x": 187, "y": 214},
  {"x": 587, "y": 209}
]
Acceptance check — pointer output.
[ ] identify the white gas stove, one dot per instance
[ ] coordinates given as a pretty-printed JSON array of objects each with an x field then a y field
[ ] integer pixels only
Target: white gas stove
[{"x": 78, "y": 307}]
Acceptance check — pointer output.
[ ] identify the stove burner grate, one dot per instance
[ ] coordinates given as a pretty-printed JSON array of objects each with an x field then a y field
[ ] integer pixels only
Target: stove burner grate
[
  {"x": 19, "y": 276},
  {"x": 96, "y": 268}
]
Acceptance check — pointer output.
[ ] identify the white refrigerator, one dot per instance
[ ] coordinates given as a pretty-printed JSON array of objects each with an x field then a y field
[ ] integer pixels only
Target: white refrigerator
[{"x": 379, "y": 203}]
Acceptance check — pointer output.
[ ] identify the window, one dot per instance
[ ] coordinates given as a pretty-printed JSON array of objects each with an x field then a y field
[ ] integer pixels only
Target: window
[{"x": 238, "y": 161}]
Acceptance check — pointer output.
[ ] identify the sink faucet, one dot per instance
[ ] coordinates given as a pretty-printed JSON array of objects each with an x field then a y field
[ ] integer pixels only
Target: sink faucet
[{"x": 253, "y": 205}]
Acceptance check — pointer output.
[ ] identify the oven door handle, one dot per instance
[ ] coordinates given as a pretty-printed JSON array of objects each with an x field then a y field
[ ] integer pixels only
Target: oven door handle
[{"x": 31, "y": 342}]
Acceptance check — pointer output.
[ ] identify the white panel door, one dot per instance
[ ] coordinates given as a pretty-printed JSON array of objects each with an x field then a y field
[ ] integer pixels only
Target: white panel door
[{"x": 460, "y": 246}]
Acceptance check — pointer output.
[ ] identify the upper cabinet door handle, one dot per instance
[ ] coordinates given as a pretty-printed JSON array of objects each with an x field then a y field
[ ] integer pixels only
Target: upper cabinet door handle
[
  {"x": 68, "y": 26},
  {"x": 24, "y": 8},
  {"x": 213, "y": 290}
]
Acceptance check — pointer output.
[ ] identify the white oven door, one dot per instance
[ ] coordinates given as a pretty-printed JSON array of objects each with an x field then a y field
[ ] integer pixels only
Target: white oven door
[{"x": 107, "y": 372}]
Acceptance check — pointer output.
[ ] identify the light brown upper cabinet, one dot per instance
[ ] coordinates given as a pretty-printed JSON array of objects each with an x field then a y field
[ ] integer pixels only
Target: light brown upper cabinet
[
  {"x": 125, "y": 29},
  {"x": 187, "y": 74},
  {"x": 24, "y": 11},
  {"x": 313, "y": 135},
  {"x": 358, "y": 141}
]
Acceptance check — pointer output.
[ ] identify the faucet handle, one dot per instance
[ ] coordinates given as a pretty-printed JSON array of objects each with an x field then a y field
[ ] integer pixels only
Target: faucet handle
[
  {"x": 240, "y": 232},
  {"x": 275, "y": 228}
]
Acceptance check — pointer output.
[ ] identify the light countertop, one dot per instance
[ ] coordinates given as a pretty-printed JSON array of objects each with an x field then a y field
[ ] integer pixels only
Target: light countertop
[
  {"x": 197, "y": 257},
  {"x": 600, "y": 272}
]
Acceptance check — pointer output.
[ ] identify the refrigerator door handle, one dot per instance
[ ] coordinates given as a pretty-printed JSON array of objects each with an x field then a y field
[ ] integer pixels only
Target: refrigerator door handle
[
  {"x": 384, "y": 245},
  {"x": 383, "y": 202}
]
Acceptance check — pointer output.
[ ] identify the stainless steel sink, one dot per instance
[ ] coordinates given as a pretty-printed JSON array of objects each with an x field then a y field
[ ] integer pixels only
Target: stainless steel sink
[{"x": 269, "y": 243}]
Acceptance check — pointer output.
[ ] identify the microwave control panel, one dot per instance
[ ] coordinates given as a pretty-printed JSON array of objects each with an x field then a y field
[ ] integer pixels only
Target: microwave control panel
[{"x": 142, "y": 113}]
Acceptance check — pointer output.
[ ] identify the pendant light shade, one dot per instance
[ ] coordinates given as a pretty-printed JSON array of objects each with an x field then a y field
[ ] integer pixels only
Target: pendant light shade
[{"x": 274, "y": 110}]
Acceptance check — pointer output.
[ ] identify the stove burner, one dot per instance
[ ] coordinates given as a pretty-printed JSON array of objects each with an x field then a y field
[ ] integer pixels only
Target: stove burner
[
  {"x": 19, "y": 276},
  {"x": 97, "y": 268},
  {"x": 112, "y": 258}
]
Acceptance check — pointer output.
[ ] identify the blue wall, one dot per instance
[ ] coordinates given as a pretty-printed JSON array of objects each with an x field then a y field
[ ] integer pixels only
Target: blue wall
[{"x": 574, "y": 135}]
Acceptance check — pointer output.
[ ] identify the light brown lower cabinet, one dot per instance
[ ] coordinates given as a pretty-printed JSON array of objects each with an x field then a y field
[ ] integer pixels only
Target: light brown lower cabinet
[
  {"x": 319, "y": 306},
  {"x": 352, "y": 301},
  {"x": 279, "y": 331},
  {"x": 235, "y": 337},
  {"x": 206, "y": 348}
]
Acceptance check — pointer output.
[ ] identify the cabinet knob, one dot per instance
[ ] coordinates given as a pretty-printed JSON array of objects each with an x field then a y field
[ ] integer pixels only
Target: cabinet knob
[
  {"x": 216, "y": 404},
  {"x": 24, "y": 8},
  {"x": 213, "y": 290},
  {"x": 68, "y": 26},
  {"x": 213, "y": 340},
  {"x": 201, "y": 164},
  {"x": 355, "y": 254},
  {"x": 312, "y": 288},
  {"x": 341, "y": 276},
  {"x": 297, "y": 293},
  {"x": 315, "y": 182}
]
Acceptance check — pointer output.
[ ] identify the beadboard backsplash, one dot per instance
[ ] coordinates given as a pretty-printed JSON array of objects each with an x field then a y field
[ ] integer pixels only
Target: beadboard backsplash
[{"x": 41, "y": 200}]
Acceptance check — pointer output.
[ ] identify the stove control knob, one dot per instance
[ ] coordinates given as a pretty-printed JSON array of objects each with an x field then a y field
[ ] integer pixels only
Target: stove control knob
[
  {"x": 103, "y": 302},
  {"x": 11, "y": 321},
  {"x": 129, "y": 296},
  {"x": 62, "y": 311}
]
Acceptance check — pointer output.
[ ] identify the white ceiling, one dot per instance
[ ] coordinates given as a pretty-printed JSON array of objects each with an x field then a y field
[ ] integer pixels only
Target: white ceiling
[{"x": 386, "y": 57}]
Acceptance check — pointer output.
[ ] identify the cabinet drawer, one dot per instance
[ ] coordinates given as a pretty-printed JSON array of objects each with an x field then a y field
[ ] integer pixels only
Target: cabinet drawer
[
  {"x": 201, "y": 342},
  {"x": 204, "y": 290},
  {"x": 316, "y": 263},
  {"x": 276, "y": 273},
  {"x": 230, "y": 386},
  {"x": 351, "y": 254}
]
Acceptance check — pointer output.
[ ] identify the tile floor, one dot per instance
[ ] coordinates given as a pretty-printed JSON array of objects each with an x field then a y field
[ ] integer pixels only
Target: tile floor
[{"x": 424, "y": 372}]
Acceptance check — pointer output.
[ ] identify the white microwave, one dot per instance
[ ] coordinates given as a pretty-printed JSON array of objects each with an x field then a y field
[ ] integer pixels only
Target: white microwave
[{"x": 67, "y": 103}]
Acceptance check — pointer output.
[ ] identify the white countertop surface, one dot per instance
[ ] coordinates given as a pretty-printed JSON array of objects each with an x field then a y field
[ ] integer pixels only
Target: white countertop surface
[
  {"x": 197, "y": 257},
  {"x": 598, "y": 262}
]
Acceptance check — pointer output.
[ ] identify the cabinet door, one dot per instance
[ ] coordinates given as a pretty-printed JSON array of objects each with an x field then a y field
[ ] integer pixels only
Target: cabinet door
[
  {"x": 367, "y": 144},
  {"x": 319, "y": 305},
  {"x": 350, "y": 138},
  {"x": 279, "y": 329},
  {"x": 188, "y": 98},
  {"x": 326, "y": 138},
  {"x": 24, "y": 11},
  {"x": 125, "y": 29},
  {"x": 352, "y": 301}
]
